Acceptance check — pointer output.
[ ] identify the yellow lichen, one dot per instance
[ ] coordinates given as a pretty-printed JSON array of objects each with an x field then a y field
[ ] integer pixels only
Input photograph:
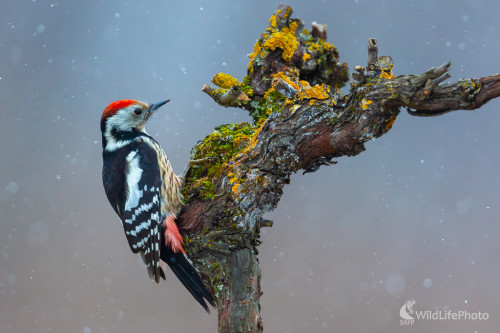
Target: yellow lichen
[
  {"x": 320, "y": 45},
  {"x": 387, "y": 74},
  {"x": 285, "y": 78},
  {"x": 273, "y": 22},
  {"x": 268, "y": 92},
  {"x": 253, "y": 140},
  {"x": 305, "y": 57},
  {"x": 262, "y": 180},
  {"x": 285, "y": 40},
  {"x": 257, "y": 49},
  {"x": 224, "y": 80},
  {"x": 314, "y": 47},
  {"x": 317, "y": 91},
  {"x": 304, "y": 84},
  {"x": 304, "y": 89},
  {"x": 365, "y": 103},
  {"x": 241, "y": 140},
  {"x": 233, "y": 173}
]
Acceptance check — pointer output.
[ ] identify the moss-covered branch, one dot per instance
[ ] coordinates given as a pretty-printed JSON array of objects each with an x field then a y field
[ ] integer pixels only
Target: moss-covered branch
[{"x": 300, "y": 121}]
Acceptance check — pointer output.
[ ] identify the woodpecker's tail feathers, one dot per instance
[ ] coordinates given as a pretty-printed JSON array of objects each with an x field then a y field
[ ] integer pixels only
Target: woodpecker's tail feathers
[
  {"x": 154, "y": 272},
  {"x": 187, "y": 274}
]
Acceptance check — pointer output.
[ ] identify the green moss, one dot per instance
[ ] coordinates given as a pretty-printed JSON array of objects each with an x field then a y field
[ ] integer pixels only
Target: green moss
[
  {"x": 246, "y": 86},
  {"x": 334, "y": 120},
  {"x": 222, "y": 144},
  {"x": 261, "y": 108},
  {"x": 306, "y": 36}
]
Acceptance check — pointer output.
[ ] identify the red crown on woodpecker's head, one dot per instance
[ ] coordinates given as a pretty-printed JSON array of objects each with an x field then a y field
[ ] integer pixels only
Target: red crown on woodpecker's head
[{"x": 112, "y": 108}]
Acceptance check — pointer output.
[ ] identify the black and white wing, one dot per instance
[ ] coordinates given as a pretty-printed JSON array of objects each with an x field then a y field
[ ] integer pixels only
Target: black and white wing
[{"x": 137, "y": 202}]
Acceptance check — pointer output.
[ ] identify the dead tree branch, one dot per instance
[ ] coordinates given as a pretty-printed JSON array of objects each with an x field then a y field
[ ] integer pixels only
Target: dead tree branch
[{"x": 300, "y": 122}]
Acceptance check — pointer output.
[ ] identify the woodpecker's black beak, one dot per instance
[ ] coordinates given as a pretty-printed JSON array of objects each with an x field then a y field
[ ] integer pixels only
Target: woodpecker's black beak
[{"x": 155, "y": 106}]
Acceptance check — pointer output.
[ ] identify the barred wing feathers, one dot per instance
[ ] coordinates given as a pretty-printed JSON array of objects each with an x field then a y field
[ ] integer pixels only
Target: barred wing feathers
[{"x": 133, "y": 189}]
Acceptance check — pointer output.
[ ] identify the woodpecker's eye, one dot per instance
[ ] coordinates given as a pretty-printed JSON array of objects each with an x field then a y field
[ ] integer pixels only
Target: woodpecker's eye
[{"x": 138, "y": 111}]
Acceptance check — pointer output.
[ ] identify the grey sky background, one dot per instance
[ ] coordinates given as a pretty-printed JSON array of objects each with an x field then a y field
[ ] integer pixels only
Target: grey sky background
[{"x": 414, "y": 216}]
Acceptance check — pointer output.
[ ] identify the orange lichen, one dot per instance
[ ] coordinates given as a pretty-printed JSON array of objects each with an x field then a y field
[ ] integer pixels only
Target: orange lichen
[
  {"x": 253, "y": 141},
  {"x": 224, "y": 80},
  {"x": 386, "y": 67},
  {"x": 390, "y": 122},
  {"x": 304, "y": 84},
  {"x": 235, "y": 189},
  {"x": 387, "y": 75}
]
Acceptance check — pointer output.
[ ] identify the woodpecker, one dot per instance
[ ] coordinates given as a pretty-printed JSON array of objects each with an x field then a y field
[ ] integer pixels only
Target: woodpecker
[{"x": 146, "y": 194}]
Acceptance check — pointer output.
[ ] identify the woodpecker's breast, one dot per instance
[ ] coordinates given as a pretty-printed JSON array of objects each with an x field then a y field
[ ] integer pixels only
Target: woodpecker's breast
[{"x": 171, "y": 184}]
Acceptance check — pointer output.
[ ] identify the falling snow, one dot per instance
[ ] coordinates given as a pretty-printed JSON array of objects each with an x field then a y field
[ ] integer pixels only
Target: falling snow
[
  {"x": 12, "y": 187},
  {"x": 415, "y": 216}
]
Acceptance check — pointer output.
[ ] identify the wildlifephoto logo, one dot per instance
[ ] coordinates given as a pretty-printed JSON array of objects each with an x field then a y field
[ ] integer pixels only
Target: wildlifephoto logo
[
  {"x": 406, "y": 312},
  {"x": 409, "y": 315}
]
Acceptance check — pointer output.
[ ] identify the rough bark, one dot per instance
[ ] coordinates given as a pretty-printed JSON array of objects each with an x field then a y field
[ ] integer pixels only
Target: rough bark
[{"x": 301, "y": 121}]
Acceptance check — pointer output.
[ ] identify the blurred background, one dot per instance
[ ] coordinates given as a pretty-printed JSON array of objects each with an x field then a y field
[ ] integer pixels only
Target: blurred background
[{"x": 416, "y": 216}]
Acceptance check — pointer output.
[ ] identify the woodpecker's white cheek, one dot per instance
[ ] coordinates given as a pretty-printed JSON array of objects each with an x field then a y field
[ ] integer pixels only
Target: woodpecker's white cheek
[
  {"x": 125, "y": 120},
  {"x": 112, "y": 143},
  {"x": 133, "y": 177}
]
